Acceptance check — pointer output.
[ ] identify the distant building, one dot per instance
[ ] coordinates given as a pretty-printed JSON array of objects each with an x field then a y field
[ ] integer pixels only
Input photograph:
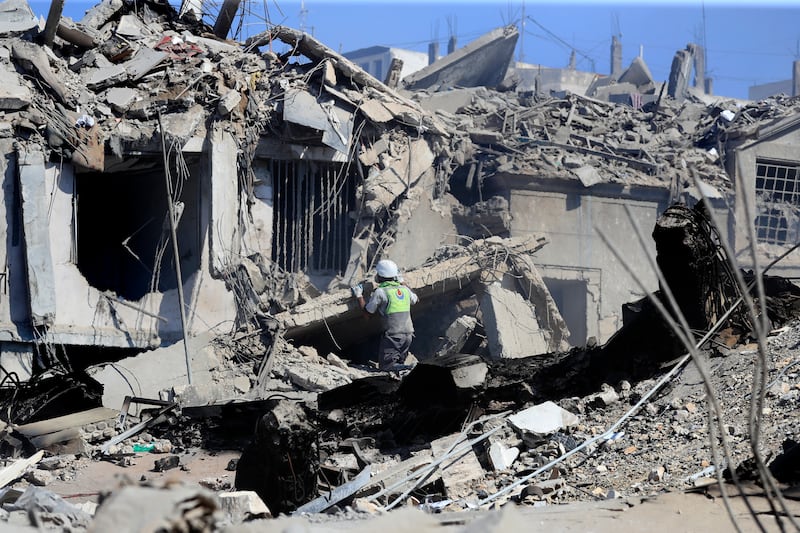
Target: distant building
[
  {"x": 377, "y": 59},
  {"x": 790, "y": 87},
  {"x": 546, "y": 79},
  {"x": 765, "y": 90}
]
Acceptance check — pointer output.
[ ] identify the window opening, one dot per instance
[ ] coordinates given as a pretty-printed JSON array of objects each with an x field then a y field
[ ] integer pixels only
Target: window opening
[
  {"x": 777, "y": 201},
  {"x": 312, "y": 228}
]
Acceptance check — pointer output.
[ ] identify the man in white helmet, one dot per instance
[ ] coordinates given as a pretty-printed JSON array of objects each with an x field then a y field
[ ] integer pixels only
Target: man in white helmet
[{"x": 393, "y": 301}]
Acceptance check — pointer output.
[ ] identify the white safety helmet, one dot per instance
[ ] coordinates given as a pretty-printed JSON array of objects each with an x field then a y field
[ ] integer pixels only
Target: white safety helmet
[{"x": 387, "y": 268}]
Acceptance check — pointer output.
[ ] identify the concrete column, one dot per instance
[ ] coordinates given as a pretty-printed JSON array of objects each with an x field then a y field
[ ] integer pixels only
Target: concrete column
[
  {"x": 699, "y": 67},
  {"x": 433, "y": 52},
  {"x": 709, "y": 88},
  {"x": 616, "y": 57},
  {"x": 224, "y": 199},
  {"x": 451, "y": 44},
  {"x": 679, "y": 74},
  {"x": 796, "y": 78},
  {"x": 53, "y": 18},
  {"x": 35, "y": 227}
]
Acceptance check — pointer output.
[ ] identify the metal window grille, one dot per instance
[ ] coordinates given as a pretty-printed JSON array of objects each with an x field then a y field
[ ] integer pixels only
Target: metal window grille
[
  {"x": 312, "y": 228},
  {"x": 778, "y": 202}
]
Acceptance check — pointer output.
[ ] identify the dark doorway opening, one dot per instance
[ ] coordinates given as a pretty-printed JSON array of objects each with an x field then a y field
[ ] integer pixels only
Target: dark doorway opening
[{"x": 570, "y": 297}]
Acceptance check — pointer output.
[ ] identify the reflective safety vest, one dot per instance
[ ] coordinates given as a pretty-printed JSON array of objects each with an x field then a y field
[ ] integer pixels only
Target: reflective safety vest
[
  {"x": 399, "y": 297},
  {"x": 397, "y": 313}
]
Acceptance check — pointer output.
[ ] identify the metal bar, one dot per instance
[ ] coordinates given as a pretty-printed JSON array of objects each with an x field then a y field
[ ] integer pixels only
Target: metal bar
[
  {"x": 177, "y": 257},
  {"x": 137, "y": 428},
  {"x": 338, "y": 494},
  {"x": 128, "y": 304}
]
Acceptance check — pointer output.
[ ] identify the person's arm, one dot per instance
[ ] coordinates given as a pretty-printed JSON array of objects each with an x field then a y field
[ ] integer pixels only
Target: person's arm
[{"x": 358, "y": 292}]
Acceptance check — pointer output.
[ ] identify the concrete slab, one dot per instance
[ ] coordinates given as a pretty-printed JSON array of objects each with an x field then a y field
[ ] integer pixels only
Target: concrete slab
[
  {"x": 120, "y": 98},
  {"x": 149, "y": 373},
  {"x": 543, "y": 419},
  {"x": 483, "y": 62},
  {"x": 98, "y": 78},
  {"x": 510, "y": 322},
  {"x": 145, "y": 60},
  {"x": 16, "y": 17}
]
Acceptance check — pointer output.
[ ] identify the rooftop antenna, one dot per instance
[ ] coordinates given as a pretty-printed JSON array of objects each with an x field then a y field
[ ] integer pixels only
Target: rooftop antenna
[
  {"x": 303, "y": 15},
  {"x": 521, "y": 56}
]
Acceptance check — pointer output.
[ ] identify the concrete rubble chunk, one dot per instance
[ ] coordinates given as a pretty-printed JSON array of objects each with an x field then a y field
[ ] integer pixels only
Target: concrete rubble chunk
[
  {"x": 543, "y": 419},
  {"x": 183, "y": 507},
  {"x": 588, "y": 175},
  {"x": 37, "y": 59},
  {"x": 120, "y": 98},
  {"x": 243, "y": 504},
  {"x": 101, "y": 13},
  {"x": 16, "y": 17},
  {"x": 228, "y": 103},
  {"x": 150, "y": 380},
  {"x": 457, "y": 334},
  {"x": 13, "y": 95},
  {"x": 510, "y": 321},
  {"x": 131, "y": 26},
  {"x": 502, "y": 457},
  {"x": 458, "y": 474}
]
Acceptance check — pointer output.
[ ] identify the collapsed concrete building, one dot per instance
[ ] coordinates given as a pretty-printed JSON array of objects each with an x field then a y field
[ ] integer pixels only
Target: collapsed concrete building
[
  {"x": 165, "y": 188},
  {"x": 289, "y": 179},
  {"x": 285, "y": 180}
]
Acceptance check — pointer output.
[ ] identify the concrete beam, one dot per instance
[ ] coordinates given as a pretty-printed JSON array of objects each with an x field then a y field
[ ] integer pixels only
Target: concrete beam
[
  {"x": 35, "y": 226},
  {"x": 429, "y": 283},
  {"x": 225, "y": 18}
]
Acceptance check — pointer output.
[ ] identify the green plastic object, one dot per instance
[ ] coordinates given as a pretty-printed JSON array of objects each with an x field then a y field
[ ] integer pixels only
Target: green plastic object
[{"x": 144, "y": 447}]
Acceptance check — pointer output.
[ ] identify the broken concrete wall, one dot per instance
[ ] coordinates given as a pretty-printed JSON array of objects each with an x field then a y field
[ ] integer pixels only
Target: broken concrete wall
[
  {"x": 423, "y": 225},
  {"x": 771, "y": 150},
  {"x": 85, "y": 315},
  {"x": 570, "y": 215}
]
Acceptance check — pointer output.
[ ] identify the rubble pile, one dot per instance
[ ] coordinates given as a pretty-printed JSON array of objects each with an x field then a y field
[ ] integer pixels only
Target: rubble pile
[
  {"x": 318, "y": 171},
  {"x": 577, "y": 137}
]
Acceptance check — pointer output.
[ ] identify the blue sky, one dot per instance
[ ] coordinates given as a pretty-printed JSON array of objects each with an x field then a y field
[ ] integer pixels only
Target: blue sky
[{"x": 747, "y": 43}]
